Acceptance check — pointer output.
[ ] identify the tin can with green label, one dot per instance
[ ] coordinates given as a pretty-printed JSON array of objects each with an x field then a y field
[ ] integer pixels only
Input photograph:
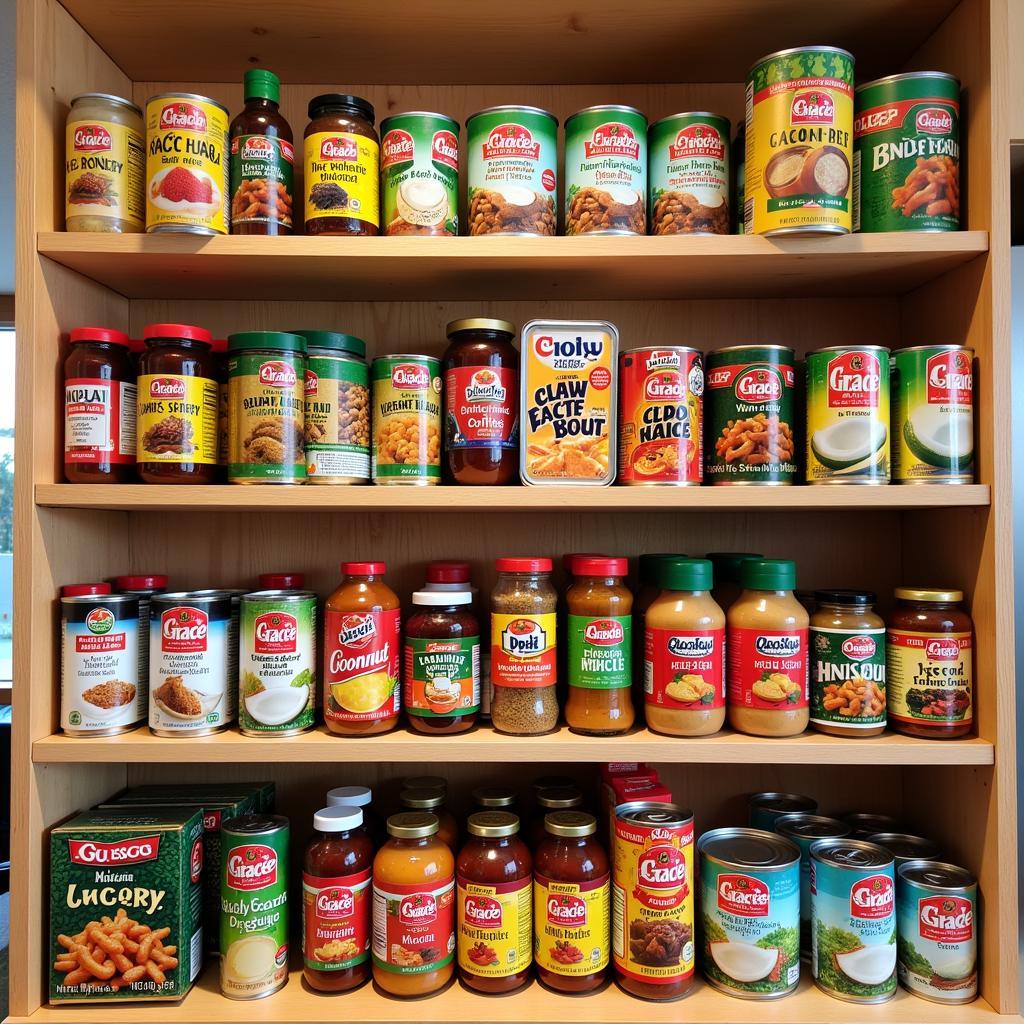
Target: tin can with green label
[
  {"x": 254, "y": 906},
  {"x": 406, "y": 420},
  {"x": 906, "y": 153}
]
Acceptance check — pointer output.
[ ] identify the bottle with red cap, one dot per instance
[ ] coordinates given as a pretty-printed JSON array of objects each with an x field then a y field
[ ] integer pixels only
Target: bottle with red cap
[
  {"x": 362, "y": 625},
  {"x": 282, "y": 581},
  {"x": 99, "y": 408},
  {"x": 178, "y": 406}
]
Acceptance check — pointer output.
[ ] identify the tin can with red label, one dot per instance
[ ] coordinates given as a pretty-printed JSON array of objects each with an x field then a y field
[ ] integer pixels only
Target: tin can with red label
[
  {"x": 406, "y": 420},
  {"x": 661, "y": 416}
]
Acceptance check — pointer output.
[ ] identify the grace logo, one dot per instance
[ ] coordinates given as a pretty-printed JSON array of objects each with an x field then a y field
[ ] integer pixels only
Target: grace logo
[
  {"x": 444, "y": 149},
  {"x": 311, "y": 385},
  {"x": 945, "y": 918},
  {"x": 253, "y": 866},
  {"x": 859, "y": 648},
  {"x": 940, "y": 648},
  {"x": 511, "y": 140},
  {"x": 604, "y": 633},
  {"x": 356, "y": 630},
  {"x": 743, "y": 896},
  {"x": 686, "y": 646},
  {"x": 612, "y": 139},
  {"x": 183, "y": 117},
  {"x": 812, "y": 106},
  {"x": 934, "y": 121},
  {"x": 524, "y": 638},
  {"x": 195, "y": 859},
  {"x": 277, "y": 374},
  {"x": 410, "y": 377},
  {"x": 697, "y": 140},
  {"x": 397, "y": 147},
  {"x": 92, "y": 138},
  {"x": 854, "y": 380},
  {"x": 338, "y": 148},
  {"x": 184, "y": 630},
  {"x": 275, "y": 633},
  {"x": 136, "y": 850},
  {"x": 758, "y": 385},
  {"x": 567, "y": 911},
  {"x": 167, "y": 388},
  {"x": 668, "y": 385},
  {"x": 419, "y": 908},
  {"x": 100, "y": 621},
  {"x": 661, "y": 867},
  {"x": 950, "y": 379},
  {"x": 485, "y": 386},
  {"x": 335, "y": 904},
  {"x": 787, "y": 646},
  {"x": 482, "y": 912},
  {"x": 872, "y": 897}
]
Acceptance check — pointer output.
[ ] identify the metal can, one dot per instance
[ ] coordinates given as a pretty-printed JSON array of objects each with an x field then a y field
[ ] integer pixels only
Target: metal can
[
  {"x": 936, "y": 917},
  {"x": 933, "y": 415},
  {"x": 906, "y": 153},
  {"x": 905, "y": 848},
  {"x": 187, "y": 164},
  {"x": 253, "y": 905},
  {"x": 766, "y": 808},
  {"x": 277, "y": 662},
  {"x": 690, "y": 175},
  {"x": 739, "y": 161},
  {"x": 192, "y": 686},
  {"x": 606, "y": 171},
  {"x": 853, "y": 920},
  {"x": 661, "y": 416},
  {"x": 848, "y": 415},
  {"x": 101, "y": 691},
  {"x": 142, "y": 586},
  {"x": 419, "y": 174},
  {"x": 749, "y": 415},
  {"x": 406, "y": 420},
  {"x": 512, "y": 171},
  {"x": 866, "y": 825},
  {"x": 799, "y": 113},
  {"x": 652, "y": 904},
  {"x": 750, "y": 908}
]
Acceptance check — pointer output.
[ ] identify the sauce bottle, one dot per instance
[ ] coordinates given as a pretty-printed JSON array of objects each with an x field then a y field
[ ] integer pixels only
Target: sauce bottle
[
  {"x": 413, "y": 908},
  {"x": 726, "y": 566},
  {"x": 361, "y": 797},
  {"x": 336, "y": 899},
  {"x": 567, "y": 798},
  {"x": 495, "y": 798},
  {"x": 643, "y": 597},
  {"x": 432, "y": 801}
]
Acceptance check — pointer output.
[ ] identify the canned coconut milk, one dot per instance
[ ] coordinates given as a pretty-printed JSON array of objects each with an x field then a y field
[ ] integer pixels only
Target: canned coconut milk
[
  {"x": 853, "y": 920},
  {"x": 750, "y": 907},
  {"x": 905, "y": 847},
  {"x": 254, "y": 906},
  {"x": 867, "y": 825},
  {"x": 406, "y": 420},
  {"x": 767, "y": 808}
]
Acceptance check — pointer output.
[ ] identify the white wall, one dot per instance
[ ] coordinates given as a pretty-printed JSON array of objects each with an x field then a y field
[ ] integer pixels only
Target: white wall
[{"x": 6, "y": 146}]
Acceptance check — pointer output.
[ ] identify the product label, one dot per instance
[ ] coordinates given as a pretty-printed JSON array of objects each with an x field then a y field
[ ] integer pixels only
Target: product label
[
  {"x": 335, "y": 920},
  {"x": 495, "y": 927},
  {"x": 337, "y": 418},
  {"x": 99, "y": 421},
  {"x": 177, "y": 419},
  {"x": 442, "y": 677},
  {"x": 406, "y": 419},
  {"x": 523, "y": 650},
  {"x": 104, "y": 172},
  {"x": 419, "y": 164},
  {"x": 481, "y": 407},
  {"x": 262, "y": 168},
  {"x": 571, "y": 925},
  {"x": 342, "y": 177},
  {"x": 931, "y": 677},
  {"x": 413, "y": 926},
  {"x": 848, "y": 677},
  {"x": 768, "y": 668},
  {"x": 361, "y": 665},
  {"x": 600, "y": 651},
  {"x": 684, "y": 669}
]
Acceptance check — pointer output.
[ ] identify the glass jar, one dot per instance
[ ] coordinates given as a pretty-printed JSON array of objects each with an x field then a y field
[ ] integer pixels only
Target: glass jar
[
  {"x": 433, "y": 800},
  {"x": 481, "y": 395},
  {"x": 726, "y": 569},
  {"x": 425, "y": 782},
  {"x": 99, "y": 408},
  {"x": 495, "y": 798},
  {"x": 442, "y": 663},
  {"x": 684, "y": 644},
  {"x": 494, "y": 877},
  {"x": 566, "y": 798},
  {"x": 413, "y": 908},
  {"x": 600, "y": 666},
  {"x": 847, "y": 648},
  {"x": 523, "y": 664},
  {"x": 361, "y": 797},
  {"x": 930, "y": 666},
  {"x": 342, "y": 158},
  {"x": 178, "y": 405},
  {"x": 362, "y": 630},
  {"x": 336, "y": 901},
  {"x": 571, "y": 904}
]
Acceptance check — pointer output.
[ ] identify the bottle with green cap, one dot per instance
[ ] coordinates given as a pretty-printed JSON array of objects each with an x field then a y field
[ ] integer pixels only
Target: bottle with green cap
[
  {"x": 726, "y": 565},
  {"x": 262, "y": 160},
  {"x": 684, "y": 650},
  {"x": 644, "y": 596},
  {"x": 768, "y": 651}
]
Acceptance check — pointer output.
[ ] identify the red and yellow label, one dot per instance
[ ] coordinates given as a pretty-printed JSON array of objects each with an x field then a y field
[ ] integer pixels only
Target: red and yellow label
[
  {"x": 768, "y": 668},
  {"x": 495, "y": 927},
  {"x": 523, "y": 650},
  {"x": 930, "y": 677},
  {"x": 413, "y": 926},
  {"x": 342, "y": 175},
  {"x": 684, "y": 669},
  {"x": 335, "y": 921},
  {"x": 361, "y": 665},
  {"x": 177, "y": 419},
  {"x": 104, "y": 170},
  {"x": 571, "y": 925}
]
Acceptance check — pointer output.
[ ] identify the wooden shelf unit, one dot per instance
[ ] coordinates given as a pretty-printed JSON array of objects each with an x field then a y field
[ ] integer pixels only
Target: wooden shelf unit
[{"x": 399, "y": 294}]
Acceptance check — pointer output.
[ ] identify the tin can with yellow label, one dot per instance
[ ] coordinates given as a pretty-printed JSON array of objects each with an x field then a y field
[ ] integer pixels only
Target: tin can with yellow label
[
  {"x": 799, "y": 143},
  {"x": 187, "y": 164},
  {"x": 406, "y": 420}
]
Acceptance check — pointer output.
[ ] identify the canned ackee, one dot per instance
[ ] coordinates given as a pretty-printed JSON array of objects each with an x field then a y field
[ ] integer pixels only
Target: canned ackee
[{"x": 406, "y": 420}]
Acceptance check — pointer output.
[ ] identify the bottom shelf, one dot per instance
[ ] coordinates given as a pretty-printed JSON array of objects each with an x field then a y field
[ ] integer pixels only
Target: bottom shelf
[{"x": 534, "y": 1003}]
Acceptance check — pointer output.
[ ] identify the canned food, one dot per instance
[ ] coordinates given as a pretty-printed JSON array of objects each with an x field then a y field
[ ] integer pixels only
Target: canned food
[
  {"x": 689, "y": 176},
  {"x": 906, "y": 153},
  {"x": 191, "y": 637},
  {"x": 101, "y": 691},
  {"x": 853, "y": 920},
  {"x": 142, "y": 586},
  {"x": 406, "y": 420},
  {"x": 750, "y": 906},
  {"x": 766, "y": 808},
  {"x": 187, "y": 164},
  {"x": 936, "y": 915},
  {"x": 866, "y": 825},
  {"x": 606, "y": 171},
  {"x": 652, "y": 908},
  {"x": 254, "y": 906},
  {"x": 848, "y": 415},
  {"x": 750, "y": 415},
  {"x": 512, "y": 170},
  {"x": 799, "y": 114},
  {"x": 905, "y": 847},
  {"x": 933, "y": 415},
  {"x": 661, "y": 416}
]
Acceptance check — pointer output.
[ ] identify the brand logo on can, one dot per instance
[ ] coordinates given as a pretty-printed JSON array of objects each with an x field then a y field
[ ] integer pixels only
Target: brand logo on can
[
  {"x": 183, "y": 630},
  {"x": 854, "y": 380},
  {"x": 758, "y": 385},
  {"x": 946, "y": 918},
  {"x": 743, "y": 896},
  {"x": 482, "y": 912},
  {"x": 137, "y": 850},
  {"x": 859, "y": 648},
  {"x": 684, "y": 646},
  {"x": 612, "y": 139},
  {"x": 166, "y": 387},
  {"x": 950, "y": 379},
  {"x": 183, "y": 117},
  {"x": 338, "y": 148},
  {"x": 277, "y": 374},
  {"x": 812, "y": 106},
  {"x": 92, "y": 138},
  {"x": 256, "y": 147},
  {"x": 603, "y": 633},
  {"x": 578, "y": 350},
  {"x": 253, "y": 866},
  {"x": 669, "y": 385},
  {"x": 100, "y": 621},
  {"x": 778, "y": 646},
  {"x": 511, "y": 140},
  {"x": 524, "y": 638},
  {"x": 697, "y": 140},
  {"x": 275, "y": 633},
  {"x": 872, "y": 898},
  {"x": 195, "y": 860},
  {"x": 567, "y": 911},
  {"x": 661, "y": 867},
  {"x": 419, "y": 908},
  {"x": 211, "y": 820},
  {"x": 335, "y": 904},
  {"x": 444, "y": 149},
  {"x": 396, "y": 147},
  {"x": 934, "y": 121},
  {"x": 410, "y": 377},
  {"x": 312, "y": 383},
  {"x": 941, "y": 648},
  {"x": 485, "y": 386},
  {"x": 356, "y": 630}
]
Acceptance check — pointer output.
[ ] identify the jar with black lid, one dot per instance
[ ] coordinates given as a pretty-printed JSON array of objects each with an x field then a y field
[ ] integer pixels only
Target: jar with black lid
[{"x": 341, "y": 159}]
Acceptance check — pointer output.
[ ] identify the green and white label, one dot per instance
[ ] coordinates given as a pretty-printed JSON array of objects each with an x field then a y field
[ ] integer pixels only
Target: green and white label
[
  {"x": 600, "y": 651},
  {"x": 848, "y": 677},
  {"x": 442, "y": 676}
]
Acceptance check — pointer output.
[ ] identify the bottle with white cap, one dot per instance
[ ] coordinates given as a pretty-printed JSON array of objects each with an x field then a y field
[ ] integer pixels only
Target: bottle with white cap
[{"x": 361, "y": 797}]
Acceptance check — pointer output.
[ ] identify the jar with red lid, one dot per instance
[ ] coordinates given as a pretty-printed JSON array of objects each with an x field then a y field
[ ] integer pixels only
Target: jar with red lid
[
  {"x": 178, "y": 406},
  {"x": 337, "y": 899},
  {"x": 99, "y": 408},
  {"x": 494, "y": 898},
  {"x": 481, "y": 384},
  {"x": 85, "y": 589},
  {"x": 282, "y": 581}
]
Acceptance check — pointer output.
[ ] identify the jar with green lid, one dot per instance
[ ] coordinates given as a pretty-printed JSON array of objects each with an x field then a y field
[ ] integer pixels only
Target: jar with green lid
[
  {"x": 726, "y": 568},
  {"x": 266, "y": 408}
]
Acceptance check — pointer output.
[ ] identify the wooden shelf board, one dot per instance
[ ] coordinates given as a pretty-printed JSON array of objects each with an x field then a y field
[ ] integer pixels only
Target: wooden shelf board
[
  {"x": 226, "y": 498},
  {"x": 484, "y": 744},
  {"x": 297, "y": 1004},
  {"x": 237, "y": 267}
]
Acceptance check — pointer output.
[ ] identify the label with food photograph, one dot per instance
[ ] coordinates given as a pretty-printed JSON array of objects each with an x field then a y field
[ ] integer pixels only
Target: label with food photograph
[
  {"x": 847, "y": 677},
  {"x": 361, "y": 665},
  {"x": 413, "y": 927},
  {"x": 177, "y": 419},
  {"x": 768, "y": 668},
  {"x": 342, "y": 177},
  {"x": 571, "y": 925},
  {"x": 336, "y": 920},
  {"x": 495, "y": 924},
  {"x": 104, "y": 170},
  {"x": 481, "y": 407},
  {"x": 406, "y": 420},
  {"x": 685, "y": 670},
  {"x": 930, "y": 677},
  {"x": 262, "y": 173},
  {"x": 442, "y": 677}
]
